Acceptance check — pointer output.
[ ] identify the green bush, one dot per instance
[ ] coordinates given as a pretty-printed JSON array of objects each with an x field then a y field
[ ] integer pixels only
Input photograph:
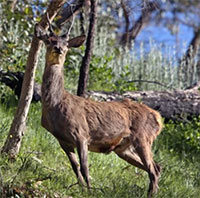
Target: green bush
[
  {"x": 102, "y": 76},
  {"x": 182, "y": 137}
]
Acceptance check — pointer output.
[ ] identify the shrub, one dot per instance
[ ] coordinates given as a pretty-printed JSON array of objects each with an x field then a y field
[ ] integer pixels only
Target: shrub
[{"x": 182, "y": 137}]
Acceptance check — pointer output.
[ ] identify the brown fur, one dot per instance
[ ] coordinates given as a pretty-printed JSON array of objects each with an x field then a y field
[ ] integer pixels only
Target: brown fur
[{"x": 125, "y": 127}]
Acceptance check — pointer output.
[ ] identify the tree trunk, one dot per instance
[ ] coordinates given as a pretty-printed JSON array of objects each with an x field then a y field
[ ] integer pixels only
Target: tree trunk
[
  {"x": 173, "y": 105},
  {"x": 193, "y": 46},
  {"x": 84, "y": 70},
  {"x": 13, "y": 141},
  {"x": 125, "y": 37}
]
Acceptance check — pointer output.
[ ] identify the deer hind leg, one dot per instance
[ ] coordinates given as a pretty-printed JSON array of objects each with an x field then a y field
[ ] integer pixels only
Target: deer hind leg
[
  {"x": 158, "y": 169},
  {"x": 73, "y": 160},
  {"x": 131, "y": 157},
  {"x": 82, "y": 148},
  {"x": 143, "y": 150}
]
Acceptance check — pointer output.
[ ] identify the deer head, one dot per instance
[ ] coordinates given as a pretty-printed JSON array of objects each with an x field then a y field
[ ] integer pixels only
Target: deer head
[{"x": 57, "y": 46}]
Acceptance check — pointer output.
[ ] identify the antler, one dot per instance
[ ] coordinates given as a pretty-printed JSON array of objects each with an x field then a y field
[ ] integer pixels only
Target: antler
[
  {"x": 40, "y": 33},
  {"x": 66, "y": 35},
  {"x": 70, "y": 28},
  {"x": 50, "y": 26},
  {"x": 52, "y": 33}
]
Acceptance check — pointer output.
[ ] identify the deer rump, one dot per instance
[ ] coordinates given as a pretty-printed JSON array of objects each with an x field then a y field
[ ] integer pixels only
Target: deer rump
[{"x": 106, "y": 126}]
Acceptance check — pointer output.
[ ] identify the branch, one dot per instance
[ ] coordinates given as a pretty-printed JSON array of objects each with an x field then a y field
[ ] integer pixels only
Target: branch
[
  {"x": 175, "y": 105},
  {"x": 125, "y": 39},
  {"x": 82, "y": 29},
  {"x": 143, "y": 20},
  {"x": 13, "y": 5}
]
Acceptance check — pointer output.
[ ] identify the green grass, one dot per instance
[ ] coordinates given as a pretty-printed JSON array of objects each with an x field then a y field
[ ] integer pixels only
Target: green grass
[{"x": 42, "y": 169}]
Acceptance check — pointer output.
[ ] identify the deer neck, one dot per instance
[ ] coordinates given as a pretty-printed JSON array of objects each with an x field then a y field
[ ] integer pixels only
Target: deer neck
[{"x": 52, "y": 85}]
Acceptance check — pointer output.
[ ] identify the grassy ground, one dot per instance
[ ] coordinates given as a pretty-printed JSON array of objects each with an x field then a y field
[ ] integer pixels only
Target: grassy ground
[{"x": 43, "y": 170}]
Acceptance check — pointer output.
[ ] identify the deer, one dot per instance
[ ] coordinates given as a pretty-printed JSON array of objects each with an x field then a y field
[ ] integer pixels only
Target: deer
[{"x": 127, "y": 128}]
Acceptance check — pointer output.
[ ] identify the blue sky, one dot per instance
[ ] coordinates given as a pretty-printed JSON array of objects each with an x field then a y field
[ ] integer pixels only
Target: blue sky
[{"x": 161, "y": 35}]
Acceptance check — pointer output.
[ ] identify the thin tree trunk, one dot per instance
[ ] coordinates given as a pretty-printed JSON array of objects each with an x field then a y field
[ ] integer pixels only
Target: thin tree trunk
[
  {"x": 187, "y": 62},
  {"x": 126, "y": 12},
  {"x": 194, "y": 46},
  {"x": 13, "y": 141},
  {"x": 84, "y": 70}
]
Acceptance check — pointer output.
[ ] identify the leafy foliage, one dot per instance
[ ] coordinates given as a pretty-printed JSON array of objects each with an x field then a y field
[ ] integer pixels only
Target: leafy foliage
[
  {"x": 103, "y": 77},
  {"x": 15, "y": 30},
  {"x": 187, "y": 136}
]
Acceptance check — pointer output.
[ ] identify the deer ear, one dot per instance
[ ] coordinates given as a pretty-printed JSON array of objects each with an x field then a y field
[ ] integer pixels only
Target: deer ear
[
  {"x": 40, "y": 33},
  {"x": 77, "y": 41}
]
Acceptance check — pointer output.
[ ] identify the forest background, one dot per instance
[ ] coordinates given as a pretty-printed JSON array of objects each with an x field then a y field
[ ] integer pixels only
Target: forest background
[{"x": 138, "y": 45}]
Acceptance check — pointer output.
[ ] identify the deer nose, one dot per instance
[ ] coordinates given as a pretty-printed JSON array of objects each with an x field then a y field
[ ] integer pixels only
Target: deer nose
[{"x": 58, "y": 50}]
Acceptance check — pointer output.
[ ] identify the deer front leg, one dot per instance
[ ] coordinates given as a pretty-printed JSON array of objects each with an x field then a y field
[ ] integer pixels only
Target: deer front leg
[
  {"x": 82, "y": 148},
  {"x": 73, "y": 160}
]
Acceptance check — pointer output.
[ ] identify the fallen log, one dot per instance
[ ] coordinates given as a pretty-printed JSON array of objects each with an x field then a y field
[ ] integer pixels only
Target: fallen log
[
  {"x": 14, "y": 80},
  {"x": 173, "y": 105}
]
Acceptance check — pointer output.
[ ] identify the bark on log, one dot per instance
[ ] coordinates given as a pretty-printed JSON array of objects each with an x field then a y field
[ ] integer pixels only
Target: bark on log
[
  {"x": 14, "y": 80},
  {"x": 174, "y": 105}
]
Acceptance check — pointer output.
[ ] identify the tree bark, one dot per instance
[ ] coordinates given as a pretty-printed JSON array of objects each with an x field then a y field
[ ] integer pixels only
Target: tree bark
[
  {"x": 13, "y": 141},
  {"x": 173, "y": 105},
  {"x": 84, "y": 69}
]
